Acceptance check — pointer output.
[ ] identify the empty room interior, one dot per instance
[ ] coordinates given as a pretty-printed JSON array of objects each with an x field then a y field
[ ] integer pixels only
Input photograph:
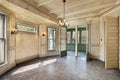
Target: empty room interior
[{"x": 59, "y": 39}]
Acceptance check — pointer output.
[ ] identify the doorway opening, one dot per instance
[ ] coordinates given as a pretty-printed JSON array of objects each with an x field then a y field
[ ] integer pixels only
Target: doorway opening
[{"x": 80, "y": 40}]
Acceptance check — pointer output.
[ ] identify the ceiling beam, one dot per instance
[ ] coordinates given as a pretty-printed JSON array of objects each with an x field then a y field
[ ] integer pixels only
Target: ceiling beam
[
  {"x": 104, "y": 10},
  {"x": 109, "y": 10},
  {"x": 89, "y": 9},
  {"x": 75, "y": 4},
  {"x": 23, "y": 4},
  {"x": 85, "y": 16},
  {"x": 40, "y": 3}
]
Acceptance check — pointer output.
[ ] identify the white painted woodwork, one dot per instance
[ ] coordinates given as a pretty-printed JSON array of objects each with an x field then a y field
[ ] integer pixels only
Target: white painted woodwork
[
  {"x": 87, "y": 39},
  {"x": 2, "y": 52},
  {"x": 76, "y": 41},
  {"x": 112, "y": 43},
  {"x": 119, "y": 42}
]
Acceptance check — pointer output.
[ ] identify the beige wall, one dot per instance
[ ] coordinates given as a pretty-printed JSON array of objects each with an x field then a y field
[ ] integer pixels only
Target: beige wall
[{"x": 26, "y": 46}]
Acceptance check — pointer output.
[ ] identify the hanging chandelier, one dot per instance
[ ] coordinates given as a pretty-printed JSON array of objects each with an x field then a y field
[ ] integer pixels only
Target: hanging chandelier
[{"x": 63, "y": 21}]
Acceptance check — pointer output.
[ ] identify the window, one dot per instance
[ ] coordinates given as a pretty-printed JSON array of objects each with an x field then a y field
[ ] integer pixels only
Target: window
[
  {"x": 26, "y": 28},
  {"x": 73, "y": 36},
  {"x": 51, "y": 38},
  {"x": 2, "y": 39},
  {"x": 83, "y": 37},
  {"x": 68, "y": 37}
]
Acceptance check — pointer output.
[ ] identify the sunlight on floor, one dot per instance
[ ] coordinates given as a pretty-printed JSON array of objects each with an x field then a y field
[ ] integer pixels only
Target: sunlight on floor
[
  {"x": 34, "y": 66},
  {"x": 26, "y": 68},
  {"x": 49, "y": 62}
]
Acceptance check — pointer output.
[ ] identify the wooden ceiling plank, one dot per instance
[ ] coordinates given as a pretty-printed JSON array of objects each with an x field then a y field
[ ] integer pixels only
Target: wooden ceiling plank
[
  {"x": 44, "y": 2},
  {"x": 24, "y": 5},
  {"x": 89, "y": 9},
  {"x": 85, "y": 16},
  {"x": 78, "y": 3},
  {"x": 104, "y": 10}
]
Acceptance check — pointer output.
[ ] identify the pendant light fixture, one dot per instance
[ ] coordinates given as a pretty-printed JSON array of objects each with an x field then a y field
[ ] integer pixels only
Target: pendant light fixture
[{"x": 63, "y": 22}]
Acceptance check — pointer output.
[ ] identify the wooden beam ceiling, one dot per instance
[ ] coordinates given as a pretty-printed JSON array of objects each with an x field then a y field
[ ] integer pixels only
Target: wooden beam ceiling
[
  {"x": 71, "y": 5},
  {"x": 84, "y": 16},
  {"x": 33, "y": 9},
  {"x": 89, "y": 9},
  {"x": 23, "y": 14},
  {"x": 76, "y": 9},
  {"x": 104, "y": 10},
  {"x": 41, "y": 3}
]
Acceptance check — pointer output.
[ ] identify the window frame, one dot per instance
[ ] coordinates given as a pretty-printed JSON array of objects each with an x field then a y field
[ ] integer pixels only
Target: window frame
[
  {"x": 54, "y": 39},
  {"x": 82, "y": 37},
  {"x": 27, "y": 24},
  {"x": 68, "y": 38},
  {"x": 4, "y": 39}
]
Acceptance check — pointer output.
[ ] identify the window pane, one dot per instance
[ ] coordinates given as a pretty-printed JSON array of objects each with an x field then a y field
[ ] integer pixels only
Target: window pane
[
  {"x": 83, "y": 36},
  {"x": 68, "y": 37},
  {"x": 26, "y": 28},
  {"x": 2, "y": 40},
  {"x": 73, "y": 37},
  {"x": 2, "y": 54},
  {"x": 1, "y": 26},
  {"x": 51, "y": 45},
  {"x": 51, "y": 38},
  {"x": 51, "y": 33}
]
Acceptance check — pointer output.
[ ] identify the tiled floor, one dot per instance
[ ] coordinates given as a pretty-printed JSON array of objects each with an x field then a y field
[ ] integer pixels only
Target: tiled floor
[{"x": 65, "y": 68}]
